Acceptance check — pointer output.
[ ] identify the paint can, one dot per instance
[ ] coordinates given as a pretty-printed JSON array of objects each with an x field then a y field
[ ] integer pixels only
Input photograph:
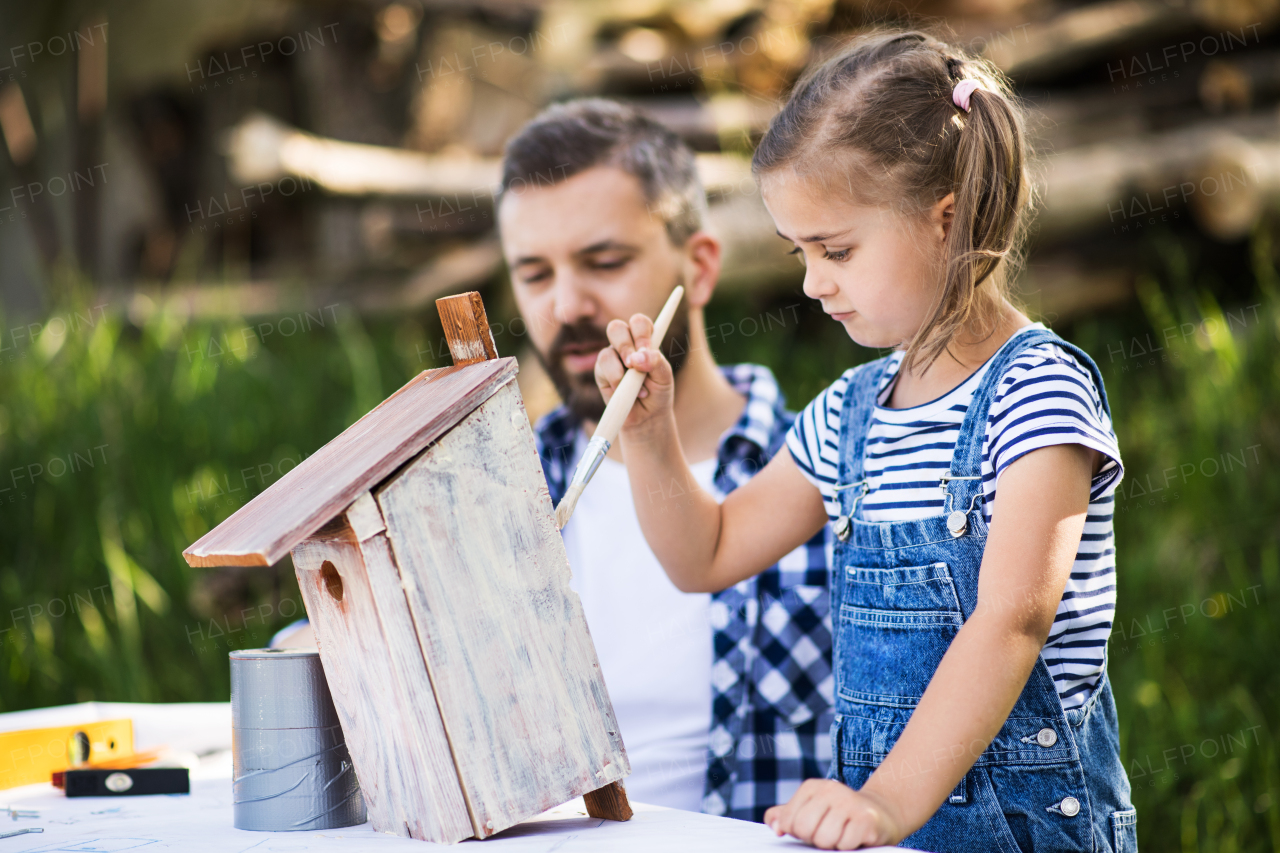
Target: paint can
[{"x": 292, "y": 769}]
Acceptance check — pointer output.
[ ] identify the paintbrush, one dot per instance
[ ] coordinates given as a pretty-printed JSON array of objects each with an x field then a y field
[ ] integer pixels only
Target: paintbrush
[{"x": 611, "y": 421}]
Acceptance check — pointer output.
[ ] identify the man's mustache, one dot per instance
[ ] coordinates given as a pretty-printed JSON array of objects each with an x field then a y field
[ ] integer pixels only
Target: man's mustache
[{"x": 577, "y": 337}]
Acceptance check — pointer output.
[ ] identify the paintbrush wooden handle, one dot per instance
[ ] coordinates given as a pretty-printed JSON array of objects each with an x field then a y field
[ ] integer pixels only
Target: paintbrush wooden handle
[{"x": 624, "y": 396}]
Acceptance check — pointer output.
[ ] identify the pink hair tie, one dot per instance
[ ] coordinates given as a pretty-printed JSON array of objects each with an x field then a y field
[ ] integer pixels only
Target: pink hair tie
[{"x": 962, "y": 92}]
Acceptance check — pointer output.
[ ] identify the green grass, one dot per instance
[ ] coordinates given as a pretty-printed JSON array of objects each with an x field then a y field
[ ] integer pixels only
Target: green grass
[
  {"x": 1196, "y": 535},
  {"x": 123, "y": 439},
  {"x": 121, "y": 442}
]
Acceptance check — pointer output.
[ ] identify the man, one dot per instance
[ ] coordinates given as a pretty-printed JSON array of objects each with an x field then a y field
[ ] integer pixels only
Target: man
[{"x": 723, "y": 700}]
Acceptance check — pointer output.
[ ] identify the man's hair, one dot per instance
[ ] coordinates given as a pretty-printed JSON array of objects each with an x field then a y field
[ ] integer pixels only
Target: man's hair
[{"x": 571, "y": 137}]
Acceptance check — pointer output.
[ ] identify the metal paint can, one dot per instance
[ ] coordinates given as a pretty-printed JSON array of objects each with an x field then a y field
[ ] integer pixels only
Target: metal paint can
[{"x": 292, "y": 769}]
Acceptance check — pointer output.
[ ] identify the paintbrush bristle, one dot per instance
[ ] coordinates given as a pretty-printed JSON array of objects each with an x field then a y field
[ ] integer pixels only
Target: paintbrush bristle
[{"x": 567, "y": 504}]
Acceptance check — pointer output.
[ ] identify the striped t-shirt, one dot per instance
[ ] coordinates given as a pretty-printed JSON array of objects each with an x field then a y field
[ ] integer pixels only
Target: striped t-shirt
[{"x": 1045, "y": 397}]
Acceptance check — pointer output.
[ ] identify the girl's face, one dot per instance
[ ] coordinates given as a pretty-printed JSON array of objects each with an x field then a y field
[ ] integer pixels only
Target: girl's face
[{"x": 875, "y": 271}]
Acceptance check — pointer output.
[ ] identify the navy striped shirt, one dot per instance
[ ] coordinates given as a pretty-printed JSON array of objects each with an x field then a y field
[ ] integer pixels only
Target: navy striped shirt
[{"x": 1045, "y": 397}]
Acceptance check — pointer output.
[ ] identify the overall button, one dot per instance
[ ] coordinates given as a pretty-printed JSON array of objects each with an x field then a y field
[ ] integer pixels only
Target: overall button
[
  {"x": 1047, "y": 738},
  {"x": 1070, "y": 806}
]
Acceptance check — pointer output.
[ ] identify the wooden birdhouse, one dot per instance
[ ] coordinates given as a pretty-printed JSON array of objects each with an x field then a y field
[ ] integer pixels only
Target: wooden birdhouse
[{"x": 428, "y": 557}]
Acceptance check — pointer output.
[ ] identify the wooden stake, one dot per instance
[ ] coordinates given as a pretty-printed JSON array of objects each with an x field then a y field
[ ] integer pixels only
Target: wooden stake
[
  {"x": 466, "y": 328},
  {"x": 609, "y": 802}
]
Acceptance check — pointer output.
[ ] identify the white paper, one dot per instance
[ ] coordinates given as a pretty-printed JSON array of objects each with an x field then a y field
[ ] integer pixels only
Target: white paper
[{"x": 201, "y": 822}]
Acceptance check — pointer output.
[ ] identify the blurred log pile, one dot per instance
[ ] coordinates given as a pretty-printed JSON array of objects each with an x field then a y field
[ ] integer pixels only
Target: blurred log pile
[{"x": 366, "y": 164}]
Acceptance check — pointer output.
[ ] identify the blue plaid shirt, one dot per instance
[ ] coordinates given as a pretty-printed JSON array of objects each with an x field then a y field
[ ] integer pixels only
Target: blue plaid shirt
[{"x": 771, "y": 679}]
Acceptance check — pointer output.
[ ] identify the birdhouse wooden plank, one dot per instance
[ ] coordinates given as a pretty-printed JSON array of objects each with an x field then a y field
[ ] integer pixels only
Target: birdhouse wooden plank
[
  {"x": 473, "y": 532},
  {"x": 431, "y": 567}
]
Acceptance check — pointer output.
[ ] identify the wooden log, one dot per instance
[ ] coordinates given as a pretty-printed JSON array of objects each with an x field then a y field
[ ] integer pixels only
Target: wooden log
[
  {"x": 1058, "y": 288},
  {"x": 1123, "y": 183},
  {"x": 703, "y": 125},
  {"x": 1082, "y": 34},
  {"x": 485, "y": 573},
  {"x": 455, "y": 268},
  {"x": 263, "y": 149},
  {"x": 380, "y": 685},
  {"x": 1236, "y": 181}
]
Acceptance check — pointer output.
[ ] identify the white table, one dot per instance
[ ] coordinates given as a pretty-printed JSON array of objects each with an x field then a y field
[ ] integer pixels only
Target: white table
[{"x": 201, "y": 822}]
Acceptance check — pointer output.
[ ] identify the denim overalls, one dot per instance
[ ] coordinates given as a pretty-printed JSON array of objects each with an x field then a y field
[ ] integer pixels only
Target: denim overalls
[{"x": 1052, "y": 780}]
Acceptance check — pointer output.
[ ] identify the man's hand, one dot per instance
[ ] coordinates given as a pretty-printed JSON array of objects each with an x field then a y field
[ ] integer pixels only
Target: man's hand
[
  {"x": 631, "y": 345},
  {"x": 832, "y": 816}
]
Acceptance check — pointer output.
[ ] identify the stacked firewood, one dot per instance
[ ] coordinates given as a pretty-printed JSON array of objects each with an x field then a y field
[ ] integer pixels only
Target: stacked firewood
[{"x": 1148, "y": 114}]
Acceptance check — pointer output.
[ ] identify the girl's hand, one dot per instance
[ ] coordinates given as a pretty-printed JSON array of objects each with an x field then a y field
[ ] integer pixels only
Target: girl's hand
[
  {"x": 631, "y": 345},
  {"x": 832, "y": 816}
]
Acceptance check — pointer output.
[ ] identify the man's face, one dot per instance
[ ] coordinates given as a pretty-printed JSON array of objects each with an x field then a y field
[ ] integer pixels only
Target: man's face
[{"x": 582, "y": 253}]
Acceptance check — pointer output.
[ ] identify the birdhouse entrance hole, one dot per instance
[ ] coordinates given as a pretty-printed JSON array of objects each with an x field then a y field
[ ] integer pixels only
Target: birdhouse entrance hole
[{"x": 332, "y": 580}]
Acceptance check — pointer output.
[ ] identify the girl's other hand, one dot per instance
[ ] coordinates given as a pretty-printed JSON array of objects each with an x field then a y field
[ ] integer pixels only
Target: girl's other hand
[
  {"x": 832, "y": 816},
  {"x": 631, "y": 345}
]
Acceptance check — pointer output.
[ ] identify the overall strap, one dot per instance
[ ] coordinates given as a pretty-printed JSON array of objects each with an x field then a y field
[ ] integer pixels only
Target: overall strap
[
  {"x": 855, "y": 418},
  {"x": 966, "y": 461}
]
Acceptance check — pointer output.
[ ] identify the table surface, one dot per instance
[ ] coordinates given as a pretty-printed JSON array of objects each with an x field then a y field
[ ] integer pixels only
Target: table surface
[{"x": 202, "y": 820}]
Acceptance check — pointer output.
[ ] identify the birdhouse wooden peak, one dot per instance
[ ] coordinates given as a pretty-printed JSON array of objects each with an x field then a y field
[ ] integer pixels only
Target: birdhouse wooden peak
[{"x": 262, "y": 531}]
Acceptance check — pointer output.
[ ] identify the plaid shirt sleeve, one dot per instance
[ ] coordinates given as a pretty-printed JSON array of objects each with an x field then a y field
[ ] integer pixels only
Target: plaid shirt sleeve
[{"x": 771, "y": 676}]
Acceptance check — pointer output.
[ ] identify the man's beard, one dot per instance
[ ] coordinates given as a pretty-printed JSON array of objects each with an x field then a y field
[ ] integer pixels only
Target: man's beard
[{"x": 578, "y": 390}]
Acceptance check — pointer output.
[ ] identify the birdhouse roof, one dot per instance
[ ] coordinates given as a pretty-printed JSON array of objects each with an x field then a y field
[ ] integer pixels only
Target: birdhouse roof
[{"x": 325, "y": 483}]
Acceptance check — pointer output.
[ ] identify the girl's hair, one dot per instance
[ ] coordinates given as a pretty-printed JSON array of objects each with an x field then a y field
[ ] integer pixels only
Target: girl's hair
[{"x": 882, "y": 107}]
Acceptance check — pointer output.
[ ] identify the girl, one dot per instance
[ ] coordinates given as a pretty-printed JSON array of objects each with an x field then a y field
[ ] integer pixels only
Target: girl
[{"x": 968, "y": 476}]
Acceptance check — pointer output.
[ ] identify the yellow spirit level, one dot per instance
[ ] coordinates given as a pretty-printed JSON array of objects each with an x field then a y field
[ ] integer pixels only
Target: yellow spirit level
[{"x": 34, "y": 755}]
